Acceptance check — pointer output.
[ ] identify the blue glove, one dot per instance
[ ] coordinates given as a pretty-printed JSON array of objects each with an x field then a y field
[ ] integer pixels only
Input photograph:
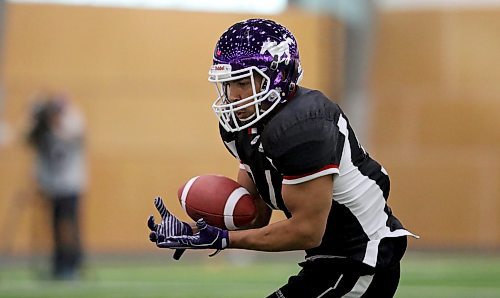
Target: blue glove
[
  {"x": 169, "y": 226},
  {"x": 207, "y": 237}
]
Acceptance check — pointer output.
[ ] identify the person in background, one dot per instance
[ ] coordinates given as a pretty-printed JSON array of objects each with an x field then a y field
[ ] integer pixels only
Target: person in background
[{"x": 57, "y": 137}]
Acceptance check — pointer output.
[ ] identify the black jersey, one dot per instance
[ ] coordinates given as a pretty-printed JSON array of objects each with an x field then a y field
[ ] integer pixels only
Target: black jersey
[{"x": 310, "y": 137}]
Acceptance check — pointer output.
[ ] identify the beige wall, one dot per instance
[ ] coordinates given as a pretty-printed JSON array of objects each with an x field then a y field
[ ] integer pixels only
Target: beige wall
[{"x": 436, "y": 107}]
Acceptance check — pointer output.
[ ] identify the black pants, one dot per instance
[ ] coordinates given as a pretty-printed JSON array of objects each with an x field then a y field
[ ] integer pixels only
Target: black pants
[
  {"x": 66, "y": 232},
  {"x": 332, "y": 278}
]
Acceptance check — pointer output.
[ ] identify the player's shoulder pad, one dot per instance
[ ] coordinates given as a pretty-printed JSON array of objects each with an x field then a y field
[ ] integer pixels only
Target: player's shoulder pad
[
  {"x": 310, "y": 117},
  {"x": 304, "y": 137}
]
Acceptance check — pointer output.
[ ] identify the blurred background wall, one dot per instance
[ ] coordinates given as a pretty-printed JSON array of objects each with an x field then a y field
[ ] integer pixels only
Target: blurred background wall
[
  {"x": 140, "y": 78},
  {"x": 435, "y": 122}
]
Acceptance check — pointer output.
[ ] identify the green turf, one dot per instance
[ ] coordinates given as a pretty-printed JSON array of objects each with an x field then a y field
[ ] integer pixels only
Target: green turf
[
  {"x": 423, "y": 275},
  {"x": 457, "y": 276}
]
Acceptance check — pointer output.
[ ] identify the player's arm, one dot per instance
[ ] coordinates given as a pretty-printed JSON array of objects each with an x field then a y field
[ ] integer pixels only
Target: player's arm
[
  {"x": 309, "y": 203},
  {"x": 263, "y": 211},
  {"x": 313, "y": 145}
]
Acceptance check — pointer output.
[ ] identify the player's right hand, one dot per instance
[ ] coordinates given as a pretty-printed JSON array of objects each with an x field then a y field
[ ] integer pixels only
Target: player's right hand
[{"x": 207, "y": 237}]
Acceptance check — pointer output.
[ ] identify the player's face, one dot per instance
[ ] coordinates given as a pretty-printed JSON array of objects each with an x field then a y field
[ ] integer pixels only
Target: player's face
[{"x": 241, "y": 89}]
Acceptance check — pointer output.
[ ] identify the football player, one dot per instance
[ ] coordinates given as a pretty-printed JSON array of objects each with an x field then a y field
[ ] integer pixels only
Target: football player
[{"x": 298, "y": 154}]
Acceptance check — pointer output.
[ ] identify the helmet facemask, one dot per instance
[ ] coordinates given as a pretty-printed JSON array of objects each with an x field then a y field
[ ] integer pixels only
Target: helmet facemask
[{"x": 226, "y": 110}]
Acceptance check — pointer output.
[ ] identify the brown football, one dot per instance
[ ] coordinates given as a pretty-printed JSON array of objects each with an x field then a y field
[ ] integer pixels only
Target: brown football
[{"x": 219, "y": 200}]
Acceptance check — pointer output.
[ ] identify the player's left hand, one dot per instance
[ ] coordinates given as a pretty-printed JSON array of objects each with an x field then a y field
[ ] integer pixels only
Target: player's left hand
[
  {"x": 169, "y": 226},
  {"x": 207, "y": 237}
]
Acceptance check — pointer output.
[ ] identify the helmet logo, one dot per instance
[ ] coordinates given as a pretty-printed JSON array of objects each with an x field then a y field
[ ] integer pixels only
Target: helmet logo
[
  {"x": 219, "y": 52},
  {"x": 281, "y": 50}
]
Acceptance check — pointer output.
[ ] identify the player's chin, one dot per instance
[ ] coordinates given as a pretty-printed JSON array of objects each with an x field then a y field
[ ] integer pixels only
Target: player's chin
[{"x": 245, "y": 116}]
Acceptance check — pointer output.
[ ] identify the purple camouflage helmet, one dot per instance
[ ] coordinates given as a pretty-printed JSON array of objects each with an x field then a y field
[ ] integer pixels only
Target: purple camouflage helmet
[{"x": 254, "y": 46}]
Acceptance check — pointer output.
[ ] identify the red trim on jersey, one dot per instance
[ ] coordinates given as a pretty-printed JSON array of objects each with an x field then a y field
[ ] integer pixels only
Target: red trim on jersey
[
  {"x": 252, "y": 130},
  {"x": 331, "y": 166}
]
